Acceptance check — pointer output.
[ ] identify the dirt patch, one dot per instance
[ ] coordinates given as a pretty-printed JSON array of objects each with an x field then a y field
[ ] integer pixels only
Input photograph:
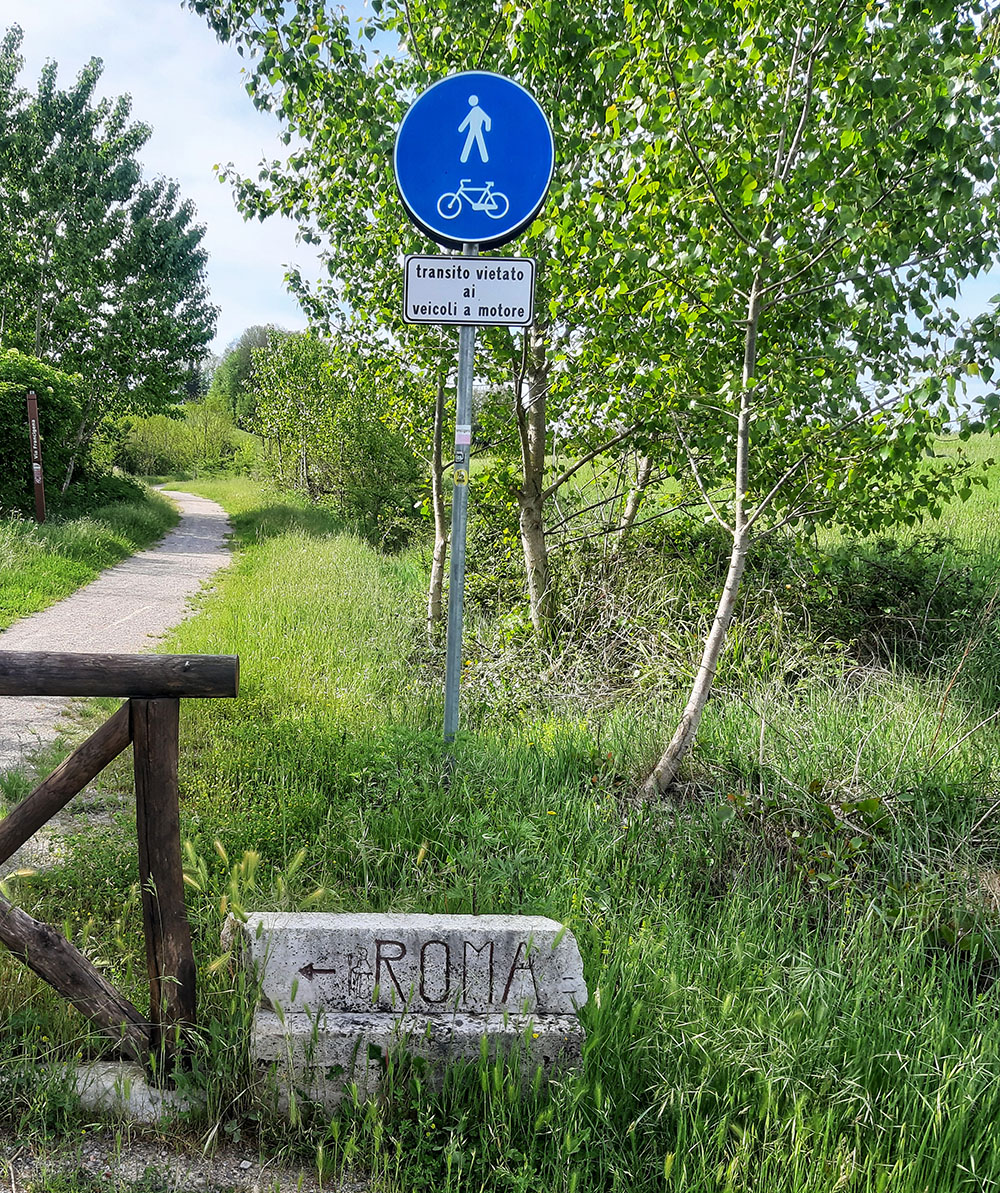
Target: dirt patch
[{"x": 113, "y": 1161}]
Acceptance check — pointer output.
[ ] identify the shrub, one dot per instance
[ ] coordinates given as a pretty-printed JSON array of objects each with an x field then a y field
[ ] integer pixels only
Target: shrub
[
  {"x": 198, "y": 438},
  {"x": 633, "y": 619},
  {"x": 320, "y": 406},
  {"x": 897, "y": 600}
]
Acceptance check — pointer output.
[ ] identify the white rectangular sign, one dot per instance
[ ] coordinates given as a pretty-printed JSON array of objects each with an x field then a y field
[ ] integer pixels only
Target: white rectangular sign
[{"x": 481, "y": 291}]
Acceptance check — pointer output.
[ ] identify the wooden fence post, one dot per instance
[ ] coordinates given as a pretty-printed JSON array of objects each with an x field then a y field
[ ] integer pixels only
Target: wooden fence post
[
  {"x": 169, "y": 956},
  {"x": 154, "y": 685}
]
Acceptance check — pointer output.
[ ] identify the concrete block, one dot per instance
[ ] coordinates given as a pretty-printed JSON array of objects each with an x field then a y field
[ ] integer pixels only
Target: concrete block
[
  {"x": 318, "y": 1056},
  {"x": 433, "y": 965},
  {"x": 122, "y": 1089}
]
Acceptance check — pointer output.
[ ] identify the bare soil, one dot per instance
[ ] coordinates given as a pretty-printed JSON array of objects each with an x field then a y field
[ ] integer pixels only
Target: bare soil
[{"x": 115, "y": 1160}]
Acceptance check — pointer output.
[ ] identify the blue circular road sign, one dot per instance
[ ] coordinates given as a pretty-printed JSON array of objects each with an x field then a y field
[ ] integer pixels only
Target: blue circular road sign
[{"x": 474, "y": 158}]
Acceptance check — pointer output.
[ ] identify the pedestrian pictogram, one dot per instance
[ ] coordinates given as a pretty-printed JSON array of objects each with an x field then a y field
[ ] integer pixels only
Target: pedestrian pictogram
[{"x": 475, "y": 122}]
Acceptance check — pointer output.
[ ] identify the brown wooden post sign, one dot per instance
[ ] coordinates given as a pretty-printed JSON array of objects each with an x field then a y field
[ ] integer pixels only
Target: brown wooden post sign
[{"x": 35, "y": 437}]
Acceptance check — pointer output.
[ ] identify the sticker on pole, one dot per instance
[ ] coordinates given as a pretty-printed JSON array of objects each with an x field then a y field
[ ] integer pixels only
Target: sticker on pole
[
  {"x": 481, "y": 291},
  {"x": 474, "y": 159}
]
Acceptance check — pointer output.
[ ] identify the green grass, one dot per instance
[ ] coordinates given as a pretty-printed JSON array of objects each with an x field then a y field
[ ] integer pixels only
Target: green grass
[
  {"x": 40, "y": 565},
  {"x": 976, "y": 521},
  {"x": 792, "y": 974}
]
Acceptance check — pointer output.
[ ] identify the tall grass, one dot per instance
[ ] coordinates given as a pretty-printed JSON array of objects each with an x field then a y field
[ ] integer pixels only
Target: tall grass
[{"x": 792, "y": 972}]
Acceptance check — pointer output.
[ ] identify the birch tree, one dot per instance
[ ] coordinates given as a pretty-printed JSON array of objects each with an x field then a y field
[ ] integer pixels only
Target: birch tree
[
  {"x": 824, "y": 177},
  {"x": 761, "y": 212}
]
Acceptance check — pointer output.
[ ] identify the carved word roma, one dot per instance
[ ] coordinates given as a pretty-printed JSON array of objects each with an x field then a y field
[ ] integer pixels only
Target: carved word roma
[{"x": 436, "y": 978}]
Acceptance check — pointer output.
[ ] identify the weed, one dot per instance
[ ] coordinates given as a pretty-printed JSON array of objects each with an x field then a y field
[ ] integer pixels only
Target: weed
[{"x": 791, "y": 973}]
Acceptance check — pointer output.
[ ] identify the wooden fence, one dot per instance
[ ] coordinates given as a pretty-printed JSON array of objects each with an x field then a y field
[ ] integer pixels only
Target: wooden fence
[{"x": 154, "y": 686}]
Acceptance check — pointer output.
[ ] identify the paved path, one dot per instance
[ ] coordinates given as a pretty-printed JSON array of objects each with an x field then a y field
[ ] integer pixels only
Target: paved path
[{"x": 124, "y": 611}]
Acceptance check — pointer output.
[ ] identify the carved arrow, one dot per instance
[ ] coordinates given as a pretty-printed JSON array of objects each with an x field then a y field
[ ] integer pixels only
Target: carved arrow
[{"x": 310, "y": 971}]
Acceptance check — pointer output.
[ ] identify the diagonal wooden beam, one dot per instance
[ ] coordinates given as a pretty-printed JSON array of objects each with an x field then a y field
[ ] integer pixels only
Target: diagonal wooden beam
[
  {"x": 71, "y": 776},
  {"x": 64, "y": 967}
]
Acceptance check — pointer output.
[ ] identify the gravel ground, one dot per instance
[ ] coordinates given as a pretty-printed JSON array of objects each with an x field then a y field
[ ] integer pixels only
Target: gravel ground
[
  {"x": 117, "y": 1161},
  {"x": 124, "y": 611}
]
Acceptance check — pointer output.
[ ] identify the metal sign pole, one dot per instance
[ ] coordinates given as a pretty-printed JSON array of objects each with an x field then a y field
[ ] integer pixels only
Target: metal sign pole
[
  {"x": 35, "y": 438},
  {"x": 459, "y": 520}
]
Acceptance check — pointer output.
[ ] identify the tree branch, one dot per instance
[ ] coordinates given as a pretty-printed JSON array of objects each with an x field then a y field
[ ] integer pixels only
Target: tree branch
[
  {"x": 814, "y": 53},
  {"x": 697, "y": 478},
  {"x": 492, "y": 33},
  {"x": 795, "y": 514},
  {"x": 413, "y": 37},
  {"x": 697, "y": 159},
  {"x": 885, "y": 271},
  {"x": 684, "y": 506},
  {"x": 591, "y": 455},
  {"x": 793, "y": 468},
  {"x": 828, "y": 247},
  {"x": 615, "y": 496},
  {"x": 775, "y": 489},
  {"x": 786, "y": 104}
]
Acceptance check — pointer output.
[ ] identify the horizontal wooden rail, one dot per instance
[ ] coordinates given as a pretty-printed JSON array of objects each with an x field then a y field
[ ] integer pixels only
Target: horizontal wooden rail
[
  {"x": 148, "y": 677},
  {"x": 71, "y": 776}
]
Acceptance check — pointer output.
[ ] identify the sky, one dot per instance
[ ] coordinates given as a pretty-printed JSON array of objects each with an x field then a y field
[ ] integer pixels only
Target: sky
[{"x": 188, "y": 88}]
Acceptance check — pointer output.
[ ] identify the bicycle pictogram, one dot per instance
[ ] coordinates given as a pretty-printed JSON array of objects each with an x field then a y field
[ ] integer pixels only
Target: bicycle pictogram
[{"x": 479, "y": 198}]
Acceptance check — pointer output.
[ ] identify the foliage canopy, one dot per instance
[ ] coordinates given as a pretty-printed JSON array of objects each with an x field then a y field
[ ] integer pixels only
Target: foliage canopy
[
  {"x": 761, "y": 216},
  {"x": 101, "y": 272},
  {"x": 320, "y": 403}
]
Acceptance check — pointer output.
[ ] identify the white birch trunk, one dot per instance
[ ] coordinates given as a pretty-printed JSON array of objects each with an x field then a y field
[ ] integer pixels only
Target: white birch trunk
[
  {"x": 531, "y": 499},
  {"x": 636, "y": 494},
  {"x": 665, "y": 771}
]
